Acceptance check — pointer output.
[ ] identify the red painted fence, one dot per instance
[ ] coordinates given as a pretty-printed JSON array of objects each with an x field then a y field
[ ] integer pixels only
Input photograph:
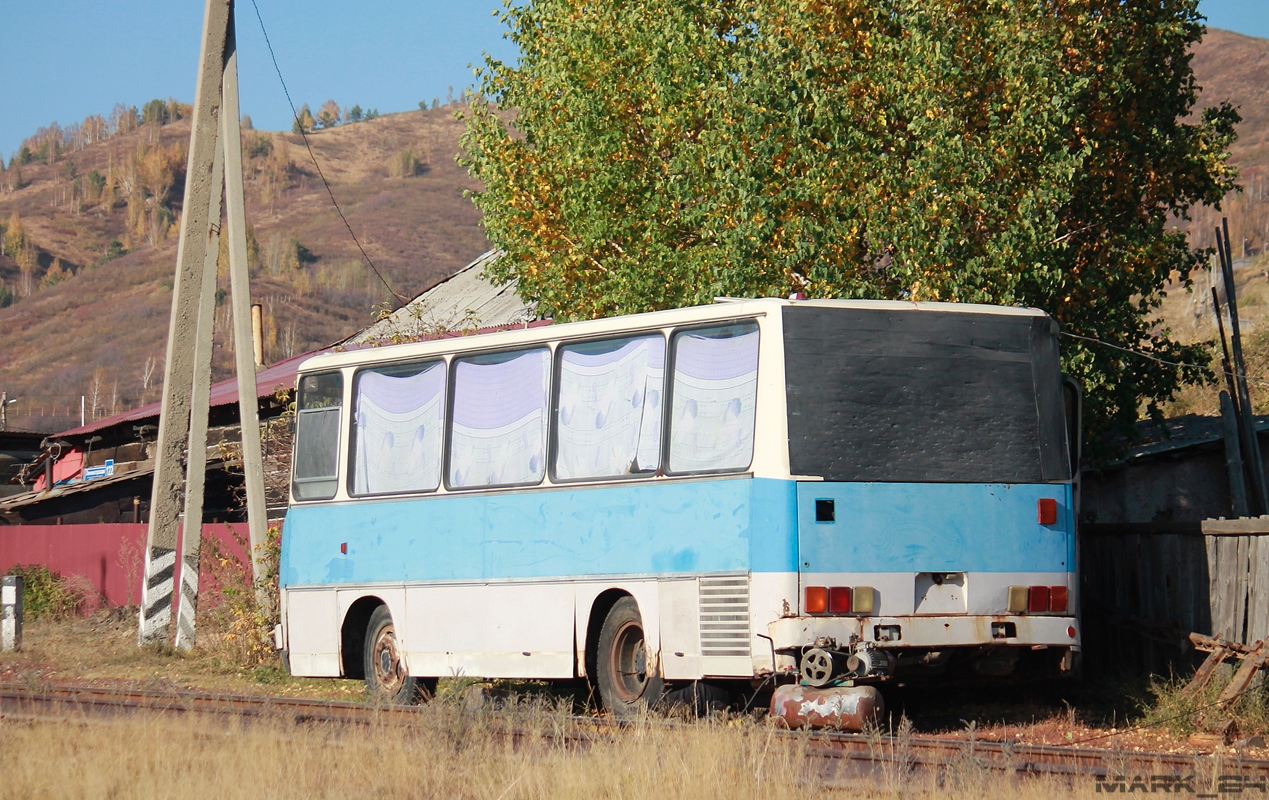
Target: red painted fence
[{"x": 109, "y": 556}]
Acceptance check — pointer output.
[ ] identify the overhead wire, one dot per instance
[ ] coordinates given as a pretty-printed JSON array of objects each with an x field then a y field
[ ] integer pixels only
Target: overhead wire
[
  {"x": 1152, "y": 357},
  {"x": 401, "y": 299}
]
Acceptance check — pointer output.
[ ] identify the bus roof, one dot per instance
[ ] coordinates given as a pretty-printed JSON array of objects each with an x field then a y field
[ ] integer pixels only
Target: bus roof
[{"x": 722, "y": 309}]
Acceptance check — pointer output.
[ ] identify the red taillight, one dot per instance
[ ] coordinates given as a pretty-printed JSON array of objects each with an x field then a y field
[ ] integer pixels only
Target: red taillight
[
  {"x": 839, "y": 600},
  {"x": 1046, "y": 511},
  {"x": 1037, "y": 599},
  {"x": 1057, "y": 599},
  {"x": 816, "y": 601}
]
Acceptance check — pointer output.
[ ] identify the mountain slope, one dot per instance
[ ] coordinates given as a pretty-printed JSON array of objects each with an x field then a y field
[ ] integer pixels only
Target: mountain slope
[{"x": 97, "y": 331}]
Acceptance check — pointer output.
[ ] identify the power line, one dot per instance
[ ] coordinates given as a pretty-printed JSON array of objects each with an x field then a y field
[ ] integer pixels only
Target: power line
[
  {"x": 401, "y": 300},
  {"x": 1151, "y": 357}
]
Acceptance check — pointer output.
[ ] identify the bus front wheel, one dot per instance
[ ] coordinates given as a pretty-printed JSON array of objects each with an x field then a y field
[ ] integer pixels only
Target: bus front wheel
[
  {"x": 386, "y": 676},
  {"x": 626, "y": 684}
]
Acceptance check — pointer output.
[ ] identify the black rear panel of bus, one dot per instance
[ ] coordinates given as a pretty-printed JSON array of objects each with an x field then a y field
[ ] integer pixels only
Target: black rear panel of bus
[{"x": 904, "y": 395}]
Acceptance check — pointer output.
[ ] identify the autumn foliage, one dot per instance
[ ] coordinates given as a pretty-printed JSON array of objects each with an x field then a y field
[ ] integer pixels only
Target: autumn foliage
[{"x": 659, "y": 154}]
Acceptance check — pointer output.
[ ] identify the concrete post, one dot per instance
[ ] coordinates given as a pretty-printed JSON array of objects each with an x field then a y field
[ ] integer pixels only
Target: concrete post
[
  {"x": 179, "y": 371},
  {"x": 10, "y": 614},
  {"x": 240, "y": 296}
]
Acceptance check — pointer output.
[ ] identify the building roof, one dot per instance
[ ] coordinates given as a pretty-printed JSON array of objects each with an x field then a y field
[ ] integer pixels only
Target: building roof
[
  {"x": 268, "y": 381},
  {"x": 464, "y": 302}
]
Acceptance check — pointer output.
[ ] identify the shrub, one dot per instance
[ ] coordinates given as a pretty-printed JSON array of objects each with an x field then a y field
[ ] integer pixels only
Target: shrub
[{"x": 45, "y": 593}]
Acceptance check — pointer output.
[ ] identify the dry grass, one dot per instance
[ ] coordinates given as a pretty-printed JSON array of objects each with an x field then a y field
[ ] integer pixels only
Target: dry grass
[
  {"x": 454, "y": 754},
  {"x": 103, "y": 650}
]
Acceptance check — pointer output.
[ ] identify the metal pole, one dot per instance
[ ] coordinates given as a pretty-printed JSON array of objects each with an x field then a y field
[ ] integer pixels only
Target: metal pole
[
  {"x": 178, "y": 372},
  {"x": 4, "y": 417},
  {"x": 240, "y": 300}
]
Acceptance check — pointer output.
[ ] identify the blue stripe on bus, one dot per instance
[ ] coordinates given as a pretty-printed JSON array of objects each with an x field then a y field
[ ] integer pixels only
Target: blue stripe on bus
[
  {"x": 933, "y": 527},
  {"x": 744, "y": 524},
  {"x": 667, "y": 527}
]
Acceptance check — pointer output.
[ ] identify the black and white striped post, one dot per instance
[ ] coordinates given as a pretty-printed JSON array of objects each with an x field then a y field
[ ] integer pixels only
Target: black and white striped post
[{"x": 10, "y": 613}]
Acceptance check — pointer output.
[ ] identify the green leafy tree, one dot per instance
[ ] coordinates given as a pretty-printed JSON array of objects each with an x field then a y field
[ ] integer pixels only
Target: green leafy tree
[
  {"x": 304, "y": 121},
  {"x": 156, "y": 112},
  {"x": 354, "y": 113},
  {"x": 642, "y": 156}
]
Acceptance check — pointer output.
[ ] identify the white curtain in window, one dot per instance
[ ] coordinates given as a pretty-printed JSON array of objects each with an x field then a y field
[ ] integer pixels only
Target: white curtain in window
[
  {"x": 715, "y": 393},
  {"x": 610, "y": 408},
  {"x": 400, "y": 420},
  {"x": 499, "y": 431}
]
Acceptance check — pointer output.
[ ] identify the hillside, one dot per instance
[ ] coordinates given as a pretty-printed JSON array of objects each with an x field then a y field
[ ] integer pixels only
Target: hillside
[
  {"x": 1230, "y": 66},
  {"x": 79, "y": 324},
  {"x": 1233, "y": 67}
]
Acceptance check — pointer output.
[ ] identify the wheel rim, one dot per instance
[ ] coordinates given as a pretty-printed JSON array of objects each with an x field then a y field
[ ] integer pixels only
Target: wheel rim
[
  {"x": 386, "y": 660},
  {"x": 629, "y": 662}
]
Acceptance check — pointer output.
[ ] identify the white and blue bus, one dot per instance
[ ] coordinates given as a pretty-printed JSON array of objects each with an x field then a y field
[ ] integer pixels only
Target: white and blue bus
[{"x": 766, "y": 490}]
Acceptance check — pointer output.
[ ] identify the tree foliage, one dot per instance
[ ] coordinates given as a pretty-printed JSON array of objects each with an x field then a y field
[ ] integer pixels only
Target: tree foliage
[
  {"x": 657, "y": 154},
  {"x": 329, "y": 114},
  {"x": 304, "y": 121}
]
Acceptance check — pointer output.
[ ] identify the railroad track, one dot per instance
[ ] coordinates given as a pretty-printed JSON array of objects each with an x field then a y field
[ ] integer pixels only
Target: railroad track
[
  {"x": 925, "y": 752},
  {"x": 835, "y": 754}
]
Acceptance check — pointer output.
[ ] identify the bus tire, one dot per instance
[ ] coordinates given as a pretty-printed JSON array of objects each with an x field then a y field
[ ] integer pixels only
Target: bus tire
[
  {"x": 621, "y": 663},
  {"x": 386, "y": 676}
]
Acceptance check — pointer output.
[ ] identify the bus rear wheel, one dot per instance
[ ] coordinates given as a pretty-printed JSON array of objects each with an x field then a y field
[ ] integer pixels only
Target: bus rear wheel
[
  {"x": 386, "y": 676},
  {"x": 626, "y": 683}
]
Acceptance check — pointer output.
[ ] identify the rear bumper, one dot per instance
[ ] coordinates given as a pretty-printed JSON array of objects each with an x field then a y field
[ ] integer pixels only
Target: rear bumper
[{"x": 928, "y": 632}]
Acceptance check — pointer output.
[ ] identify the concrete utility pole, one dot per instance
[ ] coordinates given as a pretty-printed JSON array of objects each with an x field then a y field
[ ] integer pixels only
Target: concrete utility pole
[
  {"x": 214, "y": 165},
  {"x": 4, "y": 413}
]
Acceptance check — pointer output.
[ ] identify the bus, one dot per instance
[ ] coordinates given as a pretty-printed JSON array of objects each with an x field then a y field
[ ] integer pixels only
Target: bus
[{"x": 758, "y": 491}]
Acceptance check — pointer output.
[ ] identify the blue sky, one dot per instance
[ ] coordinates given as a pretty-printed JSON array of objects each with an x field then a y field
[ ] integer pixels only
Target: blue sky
[{"x": 76, "y": 58}]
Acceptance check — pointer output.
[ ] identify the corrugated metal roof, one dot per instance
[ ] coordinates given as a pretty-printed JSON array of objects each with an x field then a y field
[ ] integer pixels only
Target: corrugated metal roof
[
  {"x": 464, "y": 302},
  {"x": 1180, "y": 433},
  {"x": 268, "y": 380},
  {"x": 14, "y": 502}
]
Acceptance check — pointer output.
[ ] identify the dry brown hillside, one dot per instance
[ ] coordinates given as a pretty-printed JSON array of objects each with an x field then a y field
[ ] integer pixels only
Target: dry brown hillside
[
  {"x": 81, "y": 322},
  {"x": 1231, "y": 66}
]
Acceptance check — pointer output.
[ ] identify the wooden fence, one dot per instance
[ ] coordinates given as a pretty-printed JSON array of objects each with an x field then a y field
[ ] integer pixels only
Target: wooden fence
[{"x": 1146, "y": 586}]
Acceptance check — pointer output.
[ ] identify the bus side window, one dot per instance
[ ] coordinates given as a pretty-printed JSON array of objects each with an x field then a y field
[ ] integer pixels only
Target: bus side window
[
  {"x": 608, "y": 420},
  {"x": 498, "y": 434},
  {"x": 398, "y": 422},
  {"x": 714, "y": 398},
  {"x": 317, "y": 436}
]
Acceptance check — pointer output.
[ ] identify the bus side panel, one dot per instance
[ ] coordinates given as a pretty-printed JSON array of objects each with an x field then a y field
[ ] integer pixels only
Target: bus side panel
[
  {"x": 312, "y": 639},
  {"x": 661, "y": 528},
  {"x": 479, "y": 569},
  {"x": 679, "y": 627},
  {"x": 494, "y": 630}
]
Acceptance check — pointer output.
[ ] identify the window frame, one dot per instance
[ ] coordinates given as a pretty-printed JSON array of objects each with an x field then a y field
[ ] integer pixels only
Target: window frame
[
  {"x": 549, "y": 346},
  {"x": 553, "y": 427},
  {"x": 300, "y": 413},
  {"x": 671, "y": 365},
  {"x": 379, "y": 368}
]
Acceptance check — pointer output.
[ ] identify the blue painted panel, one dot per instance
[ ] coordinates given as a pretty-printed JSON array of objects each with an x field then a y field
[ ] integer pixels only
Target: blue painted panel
[
  {"x": 932, "y": 527},
  {"x": 689, "y": 526}
]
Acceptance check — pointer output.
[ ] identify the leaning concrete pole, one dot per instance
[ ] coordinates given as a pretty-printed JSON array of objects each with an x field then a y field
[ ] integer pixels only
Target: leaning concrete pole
[
  {"x": 178, "y": 372},
  {"x": 200, "y": 403},
  {"x": 240, "y": 301}
]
